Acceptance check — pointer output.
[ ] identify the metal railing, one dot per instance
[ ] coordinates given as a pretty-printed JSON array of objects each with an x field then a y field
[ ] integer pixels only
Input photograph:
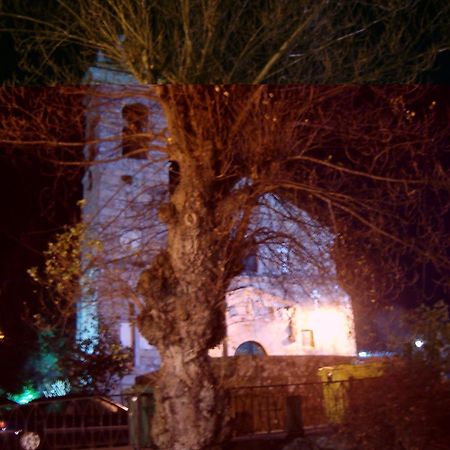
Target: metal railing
[
  {"x": 278, "y": 408},
  {"x": 91, "y": 422},
  {"x": 65, "y": 423}
]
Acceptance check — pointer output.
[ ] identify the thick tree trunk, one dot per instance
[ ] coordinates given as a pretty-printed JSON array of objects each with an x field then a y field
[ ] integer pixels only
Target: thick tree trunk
[
  {"x": 188, "y": 401},
  {"x": 184, "y": 289},
  {"x": 185, "y": 316}
]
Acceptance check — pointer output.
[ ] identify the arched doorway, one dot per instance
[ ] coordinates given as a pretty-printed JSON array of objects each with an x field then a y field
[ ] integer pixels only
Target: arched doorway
[{"x": 251, "y": 348}]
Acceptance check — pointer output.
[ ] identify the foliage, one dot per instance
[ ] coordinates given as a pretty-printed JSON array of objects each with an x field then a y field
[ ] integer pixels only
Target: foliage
[
  {"x": 431, "y": 326},
  {"x": 25, "y": 395},
  {"x": 88, "y": 365},
  {"x": 404, "y": 410},
  {"x": 96, "y": 366},
  {"x": 42, "y": 367},
  {"x": 62, "y": 364},
  {"x": 62, "y": 269},
  {"x": 63, "y": 274}
]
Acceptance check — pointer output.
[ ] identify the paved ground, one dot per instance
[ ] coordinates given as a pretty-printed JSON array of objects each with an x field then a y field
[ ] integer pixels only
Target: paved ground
[
  {"x": 274, "y": 441},
  {"x": 110, "y": 448}
]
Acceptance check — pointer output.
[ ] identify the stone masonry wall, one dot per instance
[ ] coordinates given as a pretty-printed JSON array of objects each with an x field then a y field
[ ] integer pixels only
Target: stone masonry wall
[{"x": 264, "y": 370}]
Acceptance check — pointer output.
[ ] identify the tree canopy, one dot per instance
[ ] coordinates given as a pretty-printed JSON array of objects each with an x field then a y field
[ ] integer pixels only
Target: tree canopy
[{"x": 224, "y": 42}]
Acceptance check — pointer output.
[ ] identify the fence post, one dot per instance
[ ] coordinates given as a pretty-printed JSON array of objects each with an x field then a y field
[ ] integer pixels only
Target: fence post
[
  {"x": 294, "y": 417},
  {"x": 139, "y": 421}
]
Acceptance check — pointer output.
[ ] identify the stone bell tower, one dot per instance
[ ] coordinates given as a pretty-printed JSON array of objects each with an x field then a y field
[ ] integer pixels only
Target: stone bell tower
[{"x": 126, "y": 177}]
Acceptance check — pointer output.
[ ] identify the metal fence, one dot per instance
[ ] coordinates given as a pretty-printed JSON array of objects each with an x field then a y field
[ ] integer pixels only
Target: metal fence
[
  {"x": 289, "y": 408},
  {"x": 65, "y": 423},
  {"x": 91, "y": 422}
]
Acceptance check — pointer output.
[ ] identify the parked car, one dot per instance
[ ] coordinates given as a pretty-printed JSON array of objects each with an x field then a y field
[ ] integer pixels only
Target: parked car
[{"x": 66, "y": 422}]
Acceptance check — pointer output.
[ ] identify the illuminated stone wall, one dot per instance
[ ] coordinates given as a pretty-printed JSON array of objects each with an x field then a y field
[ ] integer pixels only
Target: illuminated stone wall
[{"x": 295, "y": 326}]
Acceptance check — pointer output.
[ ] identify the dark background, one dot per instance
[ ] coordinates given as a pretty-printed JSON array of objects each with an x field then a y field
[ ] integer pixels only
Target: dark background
[{"x": 35, "y": 206}]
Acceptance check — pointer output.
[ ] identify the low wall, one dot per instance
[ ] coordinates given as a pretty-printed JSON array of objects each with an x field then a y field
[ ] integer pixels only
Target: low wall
[
  {"x": 265, "y": 370},
  {"x": 237, "y": 371}
]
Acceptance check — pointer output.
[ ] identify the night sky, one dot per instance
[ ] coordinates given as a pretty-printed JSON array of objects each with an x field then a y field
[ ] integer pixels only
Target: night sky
[
  {"x": 36, "y": 204},
  {"x": 34, "y": 208},
  {"x": 23, "y": 236},
  {"x": 22, "y": 239}
]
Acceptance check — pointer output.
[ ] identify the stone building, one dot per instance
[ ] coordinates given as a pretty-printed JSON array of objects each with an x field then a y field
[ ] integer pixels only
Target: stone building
[{"x": 269, "y": 310}]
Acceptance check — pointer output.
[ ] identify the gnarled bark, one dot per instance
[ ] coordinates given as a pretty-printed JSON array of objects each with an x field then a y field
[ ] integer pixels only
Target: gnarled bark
[{"x": 184, "y": 293}]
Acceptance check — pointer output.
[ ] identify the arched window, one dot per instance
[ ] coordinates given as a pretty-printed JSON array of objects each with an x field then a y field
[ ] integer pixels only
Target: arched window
[
  {"x": 251, "y": 348},
  {"x": 134, "y": 142}
]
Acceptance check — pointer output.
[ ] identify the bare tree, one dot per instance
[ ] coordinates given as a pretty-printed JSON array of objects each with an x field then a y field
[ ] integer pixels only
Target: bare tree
[
  {"x": 359, "y": 159},
  {"x": 346, "y": 156}
]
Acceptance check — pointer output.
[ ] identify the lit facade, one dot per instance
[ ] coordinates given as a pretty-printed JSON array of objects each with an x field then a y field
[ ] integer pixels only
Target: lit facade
[{"x": 300, "y": 326}]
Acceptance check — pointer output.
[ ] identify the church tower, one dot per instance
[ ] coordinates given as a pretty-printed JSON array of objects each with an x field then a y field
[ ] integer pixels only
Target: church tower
[{"x": 126, "y": 177}]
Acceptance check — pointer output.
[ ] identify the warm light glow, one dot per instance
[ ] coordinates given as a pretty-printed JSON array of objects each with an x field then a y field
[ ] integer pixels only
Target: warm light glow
[
  {"x": 2, "y": 335},
  {"x": 312, "y": 327},
  {"x": 328, "y": 321}
]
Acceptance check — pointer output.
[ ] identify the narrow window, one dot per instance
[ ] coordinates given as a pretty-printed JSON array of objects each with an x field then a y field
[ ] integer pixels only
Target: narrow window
[
  {"x": 134, "y": 140},
  {"x": 250, "y": 260},
  {"x": 89, "y": 180},
  {"x": 308, "y": 338},
  {"x": 91, "y": 138},
  {"x": 282, "y": 251}
]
